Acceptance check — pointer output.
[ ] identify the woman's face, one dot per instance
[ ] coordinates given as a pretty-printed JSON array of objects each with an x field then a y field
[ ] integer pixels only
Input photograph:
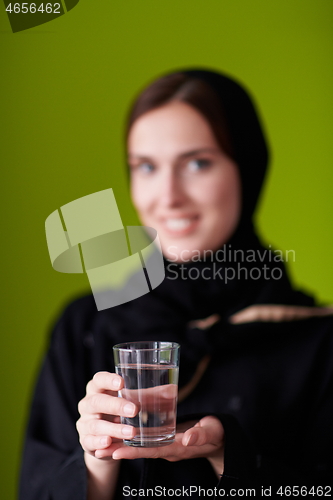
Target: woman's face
[{"x": 182, "y": 184}]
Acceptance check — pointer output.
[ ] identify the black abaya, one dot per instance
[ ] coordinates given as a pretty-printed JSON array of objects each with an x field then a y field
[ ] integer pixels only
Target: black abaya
[{"x": 274, "y": 379}]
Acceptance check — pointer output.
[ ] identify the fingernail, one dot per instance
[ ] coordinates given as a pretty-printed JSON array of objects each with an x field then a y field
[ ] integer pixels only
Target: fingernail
[
  {"x": 191, "y": 440},
  {"x": 129, "y": 409},
  {"x": 126, "y": 431},
  {"x": 104, "y": 440},
  {"x": 116, "y": 383}
]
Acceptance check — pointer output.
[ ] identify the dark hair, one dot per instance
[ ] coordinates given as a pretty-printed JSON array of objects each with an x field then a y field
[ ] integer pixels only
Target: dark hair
[{"x": 193, "y": 91}]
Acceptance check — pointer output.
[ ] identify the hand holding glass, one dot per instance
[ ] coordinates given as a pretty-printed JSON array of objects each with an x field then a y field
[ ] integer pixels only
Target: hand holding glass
[{"x": 150, "y": 374}]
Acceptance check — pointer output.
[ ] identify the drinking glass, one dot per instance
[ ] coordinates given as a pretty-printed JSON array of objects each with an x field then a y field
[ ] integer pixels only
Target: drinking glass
[{"x": 150, "y": 373}]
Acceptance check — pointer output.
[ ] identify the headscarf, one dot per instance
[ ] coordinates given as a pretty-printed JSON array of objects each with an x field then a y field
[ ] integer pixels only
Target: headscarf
[{"x": 247, "y": 137}]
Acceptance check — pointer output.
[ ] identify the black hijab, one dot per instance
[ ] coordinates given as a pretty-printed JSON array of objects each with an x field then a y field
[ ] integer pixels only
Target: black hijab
[
  {"x": 196, "y": 290},
  {"x": 246, "y": 134}
]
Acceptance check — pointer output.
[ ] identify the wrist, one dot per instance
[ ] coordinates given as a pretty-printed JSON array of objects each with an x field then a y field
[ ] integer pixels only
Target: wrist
[
  {"x": 93, "y": 463},
  {"x": 102, "y": 477}
]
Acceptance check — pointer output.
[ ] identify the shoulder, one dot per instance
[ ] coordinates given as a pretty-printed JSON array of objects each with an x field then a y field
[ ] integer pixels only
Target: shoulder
[
  {"x": 80, "y": 323},
  {"x": 81, "y": 309},
  {"x": 75, "y": 320}
]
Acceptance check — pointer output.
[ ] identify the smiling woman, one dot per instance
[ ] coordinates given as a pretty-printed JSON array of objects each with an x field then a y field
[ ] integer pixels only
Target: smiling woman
[
  {"x": 256, "y": 389},
  {"x": 182, "y": 183}
]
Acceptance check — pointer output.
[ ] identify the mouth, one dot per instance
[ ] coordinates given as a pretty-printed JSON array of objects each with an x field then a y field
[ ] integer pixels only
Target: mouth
[{"x": 180, "y": 225}]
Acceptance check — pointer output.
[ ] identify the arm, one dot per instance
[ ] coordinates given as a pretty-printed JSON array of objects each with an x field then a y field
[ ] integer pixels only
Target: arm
[
  {"x": 102, "y": 477},
  {"x": 53, "y": 465},
  {"x": 99, "y": 430}
]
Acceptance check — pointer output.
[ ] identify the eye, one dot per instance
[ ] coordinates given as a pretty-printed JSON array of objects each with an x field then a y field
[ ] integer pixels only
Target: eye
[
  {"x": 146, "y": 168},
  {"x": 198, "y": 164}
]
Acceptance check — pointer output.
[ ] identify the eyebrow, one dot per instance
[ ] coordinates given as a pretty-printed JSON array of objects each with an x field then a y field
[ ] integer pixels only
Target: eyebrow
[{"x": 187, "y": 154}]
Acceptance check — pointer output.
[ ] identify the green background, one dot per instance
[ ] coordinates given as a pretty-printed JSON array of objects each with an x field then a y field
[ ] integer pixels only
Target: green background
[{"x": 65, "y": 89}]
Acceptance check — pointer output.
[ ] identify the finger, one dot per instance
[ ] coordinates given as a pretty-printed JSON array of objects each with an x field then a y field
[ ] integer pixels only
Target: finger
[
  {"x": 191, "y": 437},
  {"x": 167, "y": 391},
  {"x": 105, "y": 381},
  {"x": 103, "y": 453},
  {"x": 208, "y": 430},
  {"x": 106, "y": 453},
  {"x": 295, "y": 313},
  {"x": 103, "y": 403},
  {"x": 320, "y": 311},
  {"x": 204, "y": 324},
  {"x": 163, "y": 397},
  {"x": 97, "y": 427},
  {"x": 256, "y": 313},
  {"x": 172, "y": 452},
  {"x": 93, "y": 443},
  {"x": 245, "y": 315},
  {"x": 132, "y": 453},
  {"x": 184, "y": 426}
]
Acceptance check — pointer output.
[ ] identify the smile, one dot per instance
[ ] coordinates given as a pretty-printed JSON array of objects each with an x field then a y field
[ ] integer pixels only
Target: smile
[{"x": 179, "y": 225}]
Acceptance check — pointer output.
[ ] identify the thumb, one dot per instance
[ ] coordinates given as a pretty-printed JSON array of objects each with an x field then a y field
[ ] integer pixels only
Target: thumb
[{"x": 208, "y": 430}]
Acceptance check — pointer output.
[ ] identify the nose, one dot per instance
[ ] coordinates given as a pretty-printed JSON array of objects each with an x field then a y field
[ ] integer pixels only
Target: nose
[{"x": 172, "y": 192}]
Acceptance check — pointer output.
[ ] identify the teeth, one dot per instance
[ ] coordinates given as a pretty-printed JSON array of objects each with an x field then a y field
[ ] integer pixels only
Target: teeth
[{"x": 178, "y": 224}]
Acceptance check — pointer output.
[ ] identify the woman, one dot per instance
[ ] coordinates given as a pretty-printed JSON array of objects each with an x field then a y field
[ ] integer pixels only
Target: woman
[{"x": 255, "y": 399}]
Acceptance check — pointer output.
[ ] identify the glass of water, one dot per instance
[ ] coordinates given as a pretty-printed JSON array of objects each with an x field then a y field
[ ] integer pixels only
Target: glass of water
[{"x": 150, "y": 373}]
